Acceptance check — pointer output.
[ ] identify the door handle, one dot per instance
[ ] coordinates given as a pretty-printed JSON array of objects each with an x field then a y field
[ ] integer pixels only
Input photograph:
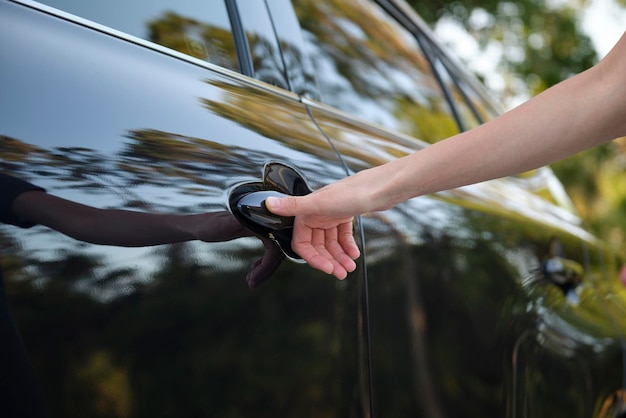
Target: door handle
[{"x": 247, "y": 204}]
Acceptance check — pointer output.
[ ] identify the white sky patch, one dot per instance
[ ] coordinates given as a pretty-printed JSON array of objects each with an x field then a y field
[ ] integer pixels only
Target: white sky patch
[
  {"x": 604, "y": 22},
  {"x": 480, "y": 61}
]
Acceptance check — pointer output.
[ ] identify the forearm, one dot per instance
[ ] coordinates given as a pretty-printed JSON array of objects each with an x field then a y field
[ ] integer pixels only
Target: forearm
[
  {"x": 582, "y": 112},
  {"x": 577, "y": 114},
  {"x": 127, "y": 228},
  {"x": 121, "y": 227}
]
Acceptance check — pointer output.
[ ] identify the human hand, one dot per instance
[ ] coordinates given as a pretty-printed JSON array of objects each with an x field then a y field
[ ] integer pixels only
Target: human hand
[{"x": 325, "y": 242}]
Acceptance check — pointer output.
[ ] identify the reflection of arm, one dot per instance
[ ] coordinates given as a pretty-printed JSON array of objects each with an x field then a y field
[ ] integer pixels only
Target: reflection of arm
[
  {"x": 24, "y": 205},
  {"x": 121, "y": 227}
]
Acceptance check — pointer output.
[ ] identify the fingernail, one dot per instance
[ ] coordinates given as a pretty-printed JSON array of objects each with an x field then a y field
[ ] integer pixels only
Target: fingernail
[{"x": 272, "y": 202}]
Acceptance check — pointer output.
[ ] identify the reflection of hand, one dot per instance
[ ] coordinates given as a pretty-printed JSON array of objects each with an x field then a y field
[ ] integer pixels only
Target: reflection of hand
[
  {"x": 215, "y": 227},
  {"x": 326, "y": 241},
  {"x": 222, "y": 226},
  {"x": 263, "y": 268}
]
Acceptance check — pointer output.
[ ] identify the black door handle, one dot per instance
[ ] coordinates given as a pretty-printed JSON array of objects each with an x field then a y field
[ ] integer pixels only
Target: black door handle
[{"x": 247, "y": 204}]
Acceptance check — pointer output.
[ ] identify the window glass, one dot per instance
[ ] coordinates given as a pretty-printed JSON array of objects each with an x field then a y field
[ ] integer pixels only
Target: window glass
[
  {"x": 468, "y": 117},
  {"x": 370, "y": 66},
  {"x": 484, "y": 108},
  {"x": 266, "y": 58},
  {"x": 473, "y": 105},
  {"x": 298, "y": 66},
  {"x": 197, "y": 28}
]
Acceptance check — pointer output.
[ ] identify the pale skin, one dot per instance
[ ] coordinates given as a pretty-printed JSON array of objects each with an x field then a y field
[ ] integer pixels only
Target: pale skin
[
  {"x": 137, "y": 229},
  {"x": 579, "y": 113}
]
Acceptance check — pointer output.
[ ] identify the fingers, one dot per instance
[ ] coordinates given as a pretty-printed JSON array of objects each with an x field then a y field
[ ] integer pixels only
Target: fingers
[
  {"x": 330, "y": 247},
  {"x": 330, "y": 250},
  {"x": 346, "y": 240},
  {"x": 325, "y": 243},
  {"x": 303, "y": 243}
]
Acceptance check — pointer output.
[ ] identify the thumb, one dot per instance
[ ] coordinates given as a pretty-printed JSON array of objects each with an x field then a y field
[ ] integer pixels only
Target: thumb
[{"x": 286, "y": 206}]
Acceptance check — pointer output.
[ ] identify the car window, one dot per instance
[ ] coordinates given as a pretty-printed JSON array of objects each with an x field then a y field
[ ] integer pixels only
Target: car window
[
  {"x": 473, "y": 106},
  {"x": 197, "y": 28},
  {"x": 369, "y": 65},
  {"x": 468, "y": 116},
  {"x": 298, "y": 66},
  {"x": 267, "y": 63},
  {"x": 474, "y": 111}
]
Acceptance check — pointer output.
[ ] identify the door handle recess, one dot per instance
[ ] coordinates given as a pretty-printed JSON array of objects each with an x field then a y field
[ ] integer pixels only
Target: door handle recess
[{"x": 247, "y": 204}]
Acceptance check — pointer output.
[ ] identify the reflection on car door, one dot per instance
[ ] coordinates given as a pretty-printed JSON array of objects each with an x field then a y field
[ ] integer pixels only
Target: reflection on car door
[
  {"x": 464, "y": 321},
  {"x": 116, "y": 121}
]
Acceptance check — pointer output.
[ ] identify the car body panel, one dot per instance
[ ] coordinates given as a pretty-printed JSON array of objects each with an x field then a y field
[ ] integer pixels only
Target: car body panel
[
  {"x": 170, "y": 330},
  {"x": 463, "y": 323},
  {"x": 449, "y": 312}
]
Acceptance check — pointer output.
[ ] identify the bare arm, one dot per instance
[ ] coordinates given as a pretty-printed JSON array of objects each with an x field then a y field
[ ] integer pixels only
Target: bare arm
[
  {"x": 575, "y": 115},
  {"x": 121, "y": 227},
  {"x": 581, "y": 112}
]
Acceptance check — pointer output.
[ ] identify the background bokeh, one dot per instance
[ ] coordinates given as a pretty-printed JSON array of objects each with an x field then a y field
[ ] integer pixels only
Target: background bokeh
[{"x": 519, "y": 48}]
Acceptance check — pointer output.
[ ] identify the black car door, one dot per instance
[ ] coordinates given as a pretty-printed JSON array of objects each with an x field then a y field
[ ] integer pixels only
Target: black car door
[
  {"x": 484, "y": 301},
  {"x": 142, "y": 106}
]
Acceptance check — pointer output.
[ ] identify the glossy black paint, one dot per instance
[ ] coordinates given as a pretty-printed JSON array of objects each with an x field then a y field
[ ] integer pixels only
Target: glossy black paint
[
  {"x": 174, "y": 330},
  {"x": 449, "y": 312}
]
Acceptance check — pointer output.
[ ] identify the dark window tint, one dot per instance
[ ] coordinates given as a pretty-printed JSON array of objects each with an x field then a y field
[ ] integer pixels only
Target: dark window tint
[
  {"x": 298, "y": 66},
  {"x": 369, "y": 65},
  {"x": 266, "y": 58},
  {"x": 197, "y": 28}
]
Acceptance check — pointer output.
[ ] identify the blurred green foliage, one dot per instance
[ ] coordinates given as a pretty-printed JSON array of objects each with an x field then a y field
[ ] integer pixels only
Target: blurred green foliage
[{"x": 543, "y": 43}]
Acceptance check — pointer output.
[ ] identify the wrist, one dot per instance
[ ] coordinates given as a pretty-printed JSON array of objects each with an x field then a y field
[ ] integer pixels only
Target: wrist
[
  {"x": 392, "y": 183},
  {"x": 369, "y": 190},
  {"x": 185, "y": 227}
]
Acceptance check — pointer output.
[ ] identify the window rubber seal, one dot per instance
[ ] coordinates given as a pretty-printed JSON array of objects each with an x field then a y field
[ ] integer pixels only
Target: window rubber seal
[{"x": 241, "y": 41}]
